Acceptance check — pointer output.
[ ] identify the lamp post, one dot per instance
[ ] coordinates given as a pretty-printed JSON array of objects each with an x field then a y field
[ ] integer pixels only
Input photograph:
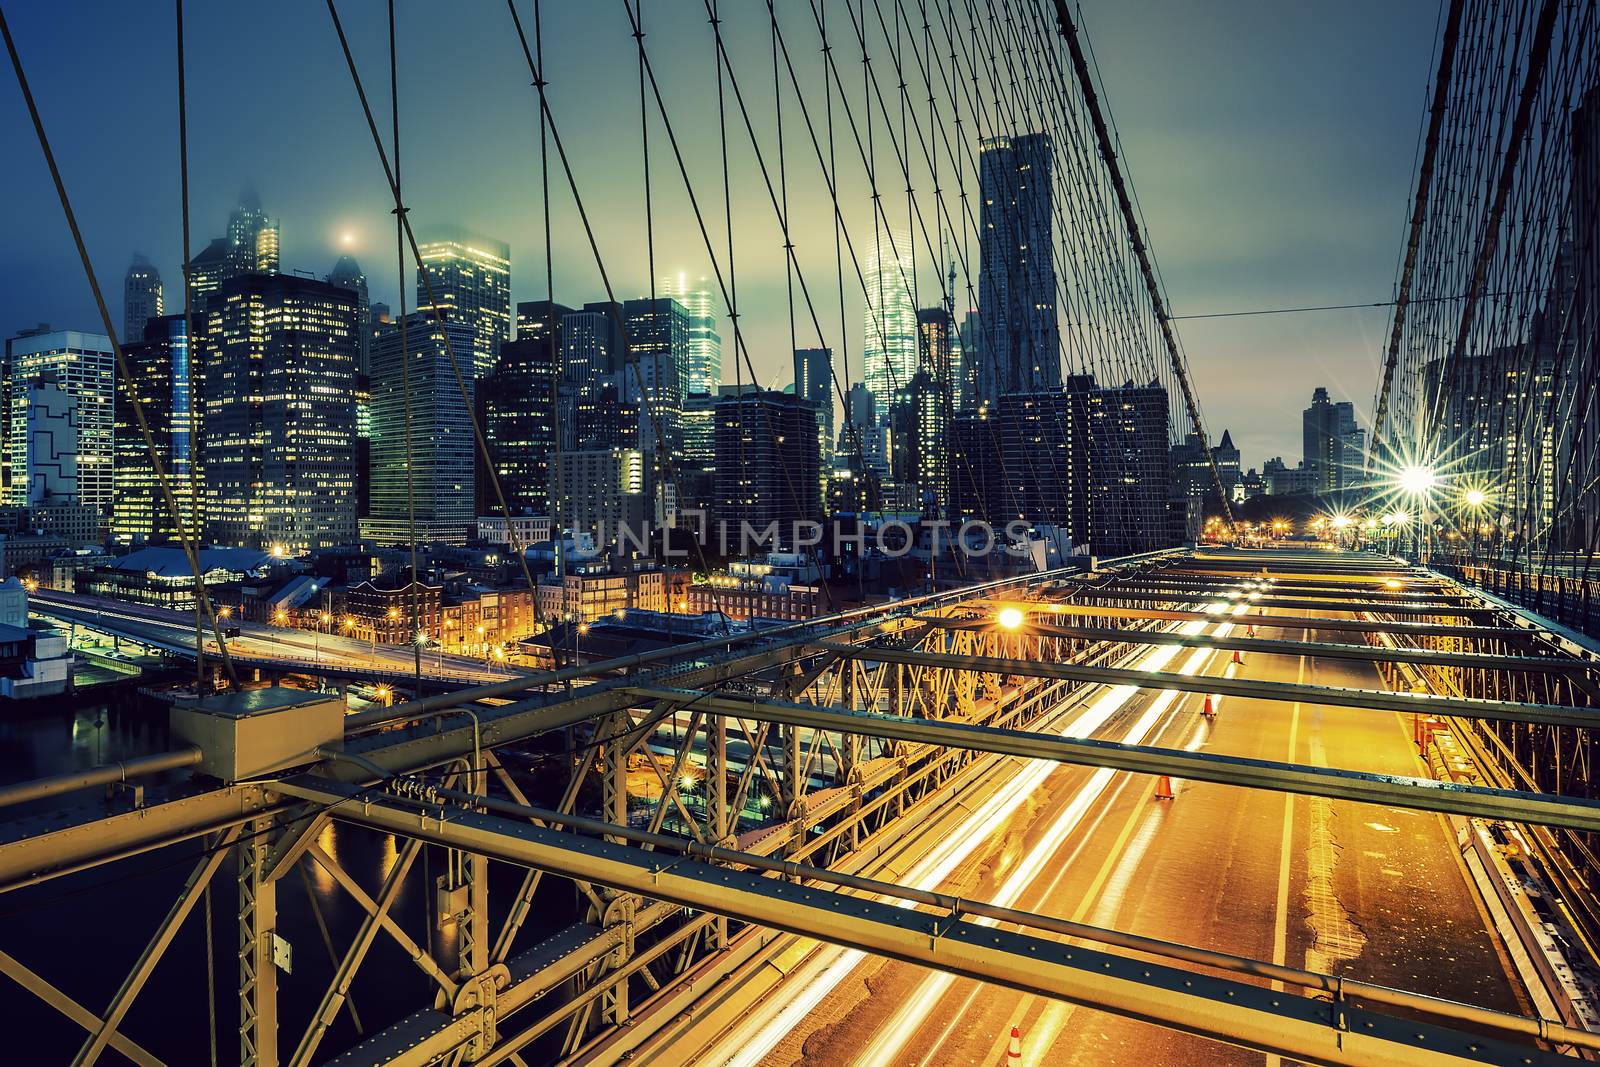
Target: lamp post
[
  {"x": 1475, "y": 499},
  {"x": 279, "y": 617},
  {"x": 1417, "y": 482},
  {"x": 316, "y": 642}
]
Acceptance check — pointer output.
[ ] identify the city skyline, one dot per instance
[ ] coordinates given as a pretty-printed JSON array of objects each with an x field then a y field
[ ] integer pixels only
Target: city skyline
[{"x": 1198, "y": 198}]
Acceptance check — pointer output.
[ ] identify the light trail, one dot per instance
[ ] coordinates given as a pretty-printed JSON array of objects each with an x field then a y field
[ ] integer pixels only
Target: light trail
[
  {"x": 760, "y": 1032},
  {"x": 885, "y": 1046}
]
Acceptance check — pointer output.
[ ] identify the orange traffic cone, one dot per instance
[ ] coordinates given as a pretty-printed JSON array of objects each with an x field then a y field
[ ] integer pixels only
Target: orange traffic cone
[
  {"x": 1164, "y": 788},
  {"x": 1014, "y": 1051},
  {"x": 1207, "y": 710},
  {"x": 1237, "y": 658},
  {"x": 1250, "y": 630}
]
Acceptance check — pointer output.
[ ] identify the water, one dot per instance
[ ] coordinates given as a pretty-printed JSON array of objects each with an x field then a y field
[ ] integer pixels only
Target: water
[{"x": 83, "y": 932}]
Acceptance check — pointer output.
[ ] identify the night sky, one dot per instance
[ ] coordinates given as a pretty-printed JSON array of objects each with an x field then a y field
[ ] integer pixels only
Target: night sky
[{"x": 1272, "y": 147}]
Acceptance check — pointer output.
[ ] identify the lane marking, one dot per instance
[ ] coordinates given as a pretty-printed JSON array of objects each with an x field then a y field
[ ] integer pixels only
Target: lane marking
[{"x": 1280, "y": 922}]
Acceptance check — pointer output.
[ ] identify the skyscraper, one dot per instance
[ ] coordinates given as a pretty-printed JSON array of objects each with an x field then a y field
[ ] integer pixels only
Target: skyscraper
[
  {"x": 1017, "y": 277},
  {"x": 470, "y": 276},
  {"x": 83, "y": 365},
  {"x": 1124, "y": 429},
  {"x": 252, "y": 241},
  {"x": 52, "y": 443},
  {"x": 159, "y": 365},
  {"x": 439, "y": 455},
  {"x": 346, "y": 274},
  {"x": 938, "y": 348},
  {"x": 519, "y": 406},
  {"x": 652, "y": 376},
  {"x": 813, "y": 382},
  {"x": 141, "y": 298},
  {"x": 971, "y": 384},
  {"x": 890, "y": 319},
  {"x": 702, "y": 371},
  {"x": 208, "y": 269},
  {"x": 279, "y": 412},
  {"x": 768, "y": 462},
  {"x": 1333, "y": 443},
  {"x": 1045, "y": 459}
]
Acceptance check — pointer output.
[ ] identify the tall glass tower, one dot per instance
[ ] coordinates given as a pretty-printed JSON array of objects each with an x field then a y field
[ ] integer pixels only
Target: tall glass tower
[
  {"x": 1016, "y": 274},
  {"x": 703, "y": 356},
  {"x": 471, "y": 278},
  {"x": 160, "y": 367},
  {"x": 890, "y": 318},
  {"x": 279, "y": 424},
  {"x": 142, "y": 299},
  {"x": 252, "y": 241}
]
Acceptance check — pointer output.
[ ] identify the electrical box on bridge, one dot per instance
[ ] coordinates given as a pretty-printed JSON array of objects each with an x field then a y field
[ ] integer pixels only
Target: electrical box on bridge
[{"x": 259, "y": 731}]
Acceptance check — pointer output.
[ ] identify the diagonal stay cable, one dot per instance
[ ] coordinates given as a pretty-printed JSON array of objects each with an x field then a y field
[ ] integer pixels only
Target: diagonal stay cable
[{"x": 190, "y": 551}]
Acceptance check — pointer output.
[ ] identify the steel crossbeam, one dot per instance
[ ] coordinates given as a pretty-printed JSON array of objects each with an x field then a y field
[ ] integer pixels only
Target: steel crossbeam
[
  {"x": 1242, "y": 1014},
  {"x": 1367, "y": 699},
  {"x": 1422, "y": 794}
]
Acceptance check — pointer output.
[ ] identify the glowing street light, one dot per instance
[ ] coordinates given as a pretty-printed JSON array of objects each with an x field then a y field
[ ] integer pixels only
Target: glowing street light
[
  {"x": 1417, "y": 480},
  {"x": 1009, "y": 618},
  {"x": 1475, "y": 498}
]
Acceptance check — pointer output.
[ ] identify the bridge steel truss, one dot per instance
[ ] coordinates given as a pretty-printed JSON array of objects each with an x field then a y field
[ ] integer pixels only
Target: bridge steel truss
[{"x": 723, "y": 792}]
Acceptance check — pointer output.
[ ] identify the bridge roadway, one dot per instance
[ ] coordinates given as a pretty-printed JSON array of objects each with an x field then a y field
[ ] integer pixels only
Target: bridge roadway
[
  {"x": 266, "y": 647},
  {"x": 1357, "y": 890}
]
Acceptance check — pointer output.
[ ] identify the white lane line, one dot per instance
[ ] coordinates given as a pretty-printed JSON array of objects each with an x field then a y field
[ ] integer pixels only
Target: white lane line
[
  {"x": 1280, "y": 922},
  {"x": 885, "y": 1046}
]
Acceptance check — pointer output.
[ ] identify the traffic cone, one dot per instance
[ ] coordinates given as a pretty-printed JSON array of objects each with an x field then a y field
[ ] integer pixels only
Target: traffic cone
[
  {"x": 1250, "y": 629},
  {"x": 1237, "y": 658},
  {"x": 1164, "y": 788},
  {"x": 1208, "y": 711},
  {"x": 1014, "y": 1050}
]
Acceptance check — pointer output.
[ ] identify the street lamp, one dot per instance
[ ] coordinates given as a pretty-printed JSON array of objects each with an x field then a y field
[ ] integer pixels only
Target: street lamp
[{"x": 316, "y": 642}]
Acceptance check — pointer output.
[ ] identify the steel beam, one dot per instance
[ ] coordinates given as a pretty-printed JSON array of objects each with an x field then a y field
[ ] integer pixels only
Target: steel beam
[
  {"x": 1422, "y": 794},
  {"x": 1324, "y": 650},
  {"x": 46, "y": 991},
  {"x": 188, "y": 896},
  {"x": 62, "y": 842},
  {"x": 1242, "y": 1014},
  {"x": 1113, "y": 593},
  {"x": 1249, "y": 688},
  {"x": 1418, "y": 629}
]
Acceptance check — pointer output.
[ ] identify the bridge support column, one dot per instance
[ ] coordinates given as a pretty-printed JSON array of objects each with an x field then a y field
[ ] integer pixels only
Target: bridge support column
[
  {"x": 473, "y": 959},
  {"x": 258, "y": 976},
  {"x": 719, "y": 821},
  {"x": 619, "y": 907}
]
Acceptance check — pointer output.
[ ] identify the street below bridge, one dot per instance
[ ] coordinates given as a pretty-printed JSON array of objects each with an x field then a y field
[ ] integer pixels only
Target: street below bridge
[
  {"x": 1359, "y": 891},
  {"x": 261, "y": 644}
]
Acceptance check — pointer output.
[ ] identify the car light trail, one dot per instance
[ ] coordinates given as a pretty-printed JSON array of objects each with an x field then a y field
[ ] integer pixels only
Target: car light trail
[
  {"x": 885, "y": 1047},
  {"x": 759, "y": 1033}
]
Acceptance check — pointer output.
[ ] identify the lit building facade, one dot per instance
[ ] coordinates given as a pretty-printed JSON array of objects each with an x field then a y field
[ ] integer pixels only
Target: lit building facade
[
  {"x": 813, "y": 382},
  {"x": 279, "y": 421},
  {"x": 520, "y": 417},
  {"x": 890, "y": 347},
  {"x": 470, "y": 277},
  {"x": 768, "y": 461},
  {"x": 658, "y": 351},
  {"x": 1017, "y": 277},
  {"x": 595, "y": 491},
  {"x": 142, "y": 299},
  {"x": 85, "y": 366},
  {"x": 161, "y": 379},
  {"x": 431, "y": 475},
  {"x": 253, "y": 239},
  {"x": 702, "y": 366}
]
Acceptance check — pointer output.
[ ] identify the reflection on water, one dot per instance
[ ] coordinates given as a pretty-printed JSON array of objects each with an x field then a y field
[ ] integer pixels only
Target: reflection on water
[{"x": 83, "y": 931}]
